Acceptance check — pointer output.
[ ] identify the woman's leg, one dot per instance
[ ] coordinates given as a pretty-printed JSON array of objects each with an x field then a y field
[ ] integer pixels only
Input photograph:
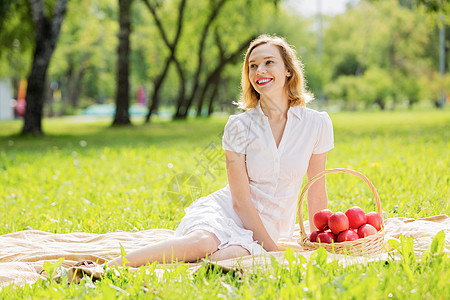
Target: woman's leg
[
  {"x": 232, "y": 251},
  {"x": 189, "y": 248}
]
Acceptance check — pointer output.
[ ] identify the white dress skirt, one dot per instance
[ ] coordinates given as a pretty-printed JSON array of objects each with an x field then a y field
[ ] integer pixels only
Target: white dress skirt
[{"x": 214, "y": 213}]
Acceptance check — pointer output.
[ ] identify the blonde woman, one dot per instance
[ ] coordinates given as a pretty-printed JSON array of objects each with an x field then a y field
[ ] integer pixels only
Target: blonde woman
[{"x": 268, "y": 150}]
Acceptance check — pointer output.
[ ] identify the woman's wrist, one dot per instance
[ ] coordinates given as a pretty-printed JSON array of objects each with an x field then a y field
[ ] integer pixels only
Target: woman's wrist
[{"x": 270, "y": 247}]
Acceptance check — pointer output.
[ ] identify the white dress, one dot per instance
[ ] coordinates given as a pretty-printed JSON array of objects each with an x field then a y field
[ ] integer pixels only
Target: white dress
[{"x": 275, "y": 175}]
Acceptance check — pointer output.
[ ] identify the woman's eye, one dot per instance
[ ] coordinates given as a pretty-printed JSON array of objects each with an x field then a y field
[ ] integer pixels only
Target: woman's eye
[
  {"x": 269, "y": 62},
  {"x": 253, "y": 66}
]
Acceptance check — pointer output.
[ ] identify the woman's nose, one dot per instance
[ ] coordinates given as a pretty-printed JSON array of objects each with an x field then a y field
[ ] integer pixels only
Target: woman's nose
[{"x": 261, "y": 69}]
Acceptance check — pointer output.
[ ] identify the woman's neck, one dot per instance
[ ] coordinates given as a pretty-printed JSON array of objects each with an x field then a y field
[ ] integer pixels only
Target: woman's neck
[{"x": 275, "y": 109}]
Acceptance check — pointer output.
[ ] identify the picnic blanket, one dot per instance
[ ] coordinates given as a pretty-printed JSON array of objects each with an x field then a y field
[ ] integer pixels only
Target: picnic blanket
[{"x": 22, "y": 254}]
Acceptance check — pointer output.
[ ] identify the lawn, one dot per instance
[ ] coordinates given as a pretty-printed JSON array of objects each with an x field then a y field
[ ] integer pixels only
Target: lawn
[{"x": 87, "y": 176}]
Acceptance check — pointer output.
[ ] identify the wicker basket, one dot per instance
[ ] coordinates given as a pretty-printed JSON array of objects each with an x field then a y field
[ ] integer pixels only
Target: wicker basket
[{"x": 370, "y": 245}]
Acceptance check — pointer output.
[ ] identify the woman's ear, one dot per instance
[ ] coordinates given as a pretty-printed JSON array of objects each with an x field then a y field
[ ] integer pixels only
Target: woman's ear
[{"x": 288, "y": 74}]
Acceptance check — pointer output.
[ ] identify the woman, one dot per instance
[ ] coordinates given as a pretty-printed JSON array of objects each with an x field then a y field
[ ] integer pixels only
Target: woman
[{"x": 268, "y": 150}]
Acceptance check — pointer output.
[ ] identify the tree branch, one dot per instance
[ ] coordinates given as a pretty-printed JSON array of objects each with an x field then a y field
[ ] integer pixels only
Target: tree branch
[
  {"x": 219, "y": 43},
  {"x": 172, "y": 57},
  {"x": 158, "y": 22},
  {"x": 180, "y": 23},
  {"x": 214, "y": 74},
  {"x": 37, "y": 12},
  {"x": 58, "y": 15},
  {"x": 214, "y": 13}
]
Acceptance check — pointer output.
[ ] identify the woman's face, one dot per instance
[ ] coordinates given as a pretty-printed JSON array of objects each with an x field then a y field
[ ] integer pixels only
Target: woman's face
[{"x": 267, "y": 71}]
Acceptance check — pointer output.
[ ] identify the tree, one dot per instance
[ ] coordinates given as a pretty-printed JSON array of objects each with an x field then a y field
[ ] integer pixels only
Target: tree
[
  {"x": 46, "y": 31},
  {"x": 183, "y": 108},
  {"x": 122, "y": 116},
  {"x": 198, "y": 67},
  {"x": 87, "y": 42},
  {"x": 387, "y": 41},
  {"x": 172, "y": 46},
  {"x": 208, "y": 69},
  {"x": 213, "y": 78}
]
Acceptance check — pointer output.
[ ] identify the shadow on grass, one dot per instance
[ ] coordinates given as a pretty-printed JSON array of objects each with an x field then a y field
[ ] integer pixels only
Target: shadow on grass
[
  {"x": 348, "y": 127},
  {"x": 70, "y": 136}
]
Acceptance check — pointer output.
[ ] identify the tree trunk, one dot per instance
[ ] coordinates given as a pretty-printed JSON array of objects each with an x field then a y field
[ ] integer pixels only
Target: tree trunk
[
  {"x": 213, "y": 77},
  {"x": 181, "y": 93},
  {"x": 73, "y": 88},
  {"x": 157, "y": 88},
  {"x": 380, "y": 103},
  {"x": 75, "y": 97},
  {"x": 74, "y": 77},
  {"x": 48, "y": 95},
  {"x": 122, "y": 116},
  {"x": 46, "y": 36},
  {"x": 172, "y": 47},
  {"x": 36, "y": 90},
  {"x": 437, "y": 104},
  {"x": 213, "y": 96}
]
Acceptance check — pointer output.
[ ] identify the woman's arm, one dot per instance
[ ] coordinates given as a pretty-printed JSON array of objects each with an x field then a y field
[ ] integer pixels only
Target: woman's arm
[
  {"x": 240, "y": 192},
  {"x": 317, "y": 193}
]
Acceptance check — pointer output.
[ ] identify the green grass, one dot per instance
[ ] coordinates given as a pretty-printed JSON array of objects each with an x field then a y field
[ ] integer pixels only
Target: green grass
[{"x": 90, "y": 177}]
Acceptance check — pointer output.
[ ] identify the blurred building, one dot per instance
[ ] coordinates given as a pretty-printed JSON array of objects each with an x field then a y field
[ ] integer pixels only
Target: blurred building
[{"x": 6, "y": 100}]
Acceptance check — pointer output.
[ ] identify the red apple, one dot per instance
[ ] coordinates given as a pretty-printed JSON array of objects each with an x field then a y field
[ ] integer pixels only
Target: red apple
[
  {"x": 313, "y": 235},
  {"x": 347, "y": 235},
  {"x": 326, "y": 237},
  {"x": 338, "y": 222},
  {"x": 321, "y": 218},
  {"x": 356, "y": 217},
  {"x": 366, "y": 230},
  {"x": 374, "y": 219}
]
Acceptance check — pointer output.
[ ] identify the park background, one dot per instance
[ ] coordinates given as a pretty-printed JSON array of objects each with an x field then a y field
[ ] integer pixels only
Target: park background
[
  {"x": 74, "y": 163},
  {"x": 180, "y": 58}
]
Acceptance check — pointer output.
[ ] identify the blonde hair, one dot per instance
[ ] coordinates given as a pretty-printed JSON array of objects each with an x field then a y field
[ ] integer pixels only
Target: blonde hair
[{"x": 295, "y": 84}]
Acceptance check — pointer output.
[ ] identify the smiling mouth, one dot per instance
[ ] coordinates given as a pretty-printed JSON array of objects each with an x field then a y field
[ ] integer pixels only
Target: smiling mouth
[{"x": 263, "y": 81}]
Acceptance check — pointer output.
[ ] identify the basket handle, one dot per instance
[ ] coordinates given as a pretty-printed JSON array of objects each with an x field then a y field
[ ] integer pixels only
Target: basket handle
[{"x": 322, "y": 174}]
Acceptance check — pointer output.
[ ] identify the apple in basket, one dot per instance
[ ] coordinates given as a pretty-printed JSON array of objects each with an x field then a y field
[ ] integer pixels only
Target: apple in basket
[
  {"x": 338, "y": 222},
  {"x": 313, "y": 236},
  {"x": 374, "y": 219},
  {"x": 366, "y": 230},
  {"x": 321, "y": 218},
  {"x": 347, "y": 235},
  {"x": 356, "y": 217},
  {"x": 326, "y": 237}
]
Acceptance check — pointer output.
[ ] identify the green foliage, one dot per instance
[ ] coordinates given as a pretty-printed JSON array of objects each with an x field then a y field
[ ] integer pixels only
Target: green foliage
[
  {"x": 16, "y": 40},
  {"x": 385, "y": 43},
  {"x": 52, "y": 269},
  {"x": 123, "y": 254},
  {"x": 438, "y": 244},
  {"x": 86, "y": 50}
]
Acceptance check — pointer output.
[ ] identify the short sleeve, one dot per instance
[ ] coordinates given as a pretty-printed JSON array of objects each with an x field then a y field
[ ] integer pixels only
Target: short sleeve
[
  {"x": 325, "y": 138},
  {"x": 235, "y": 135}
]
